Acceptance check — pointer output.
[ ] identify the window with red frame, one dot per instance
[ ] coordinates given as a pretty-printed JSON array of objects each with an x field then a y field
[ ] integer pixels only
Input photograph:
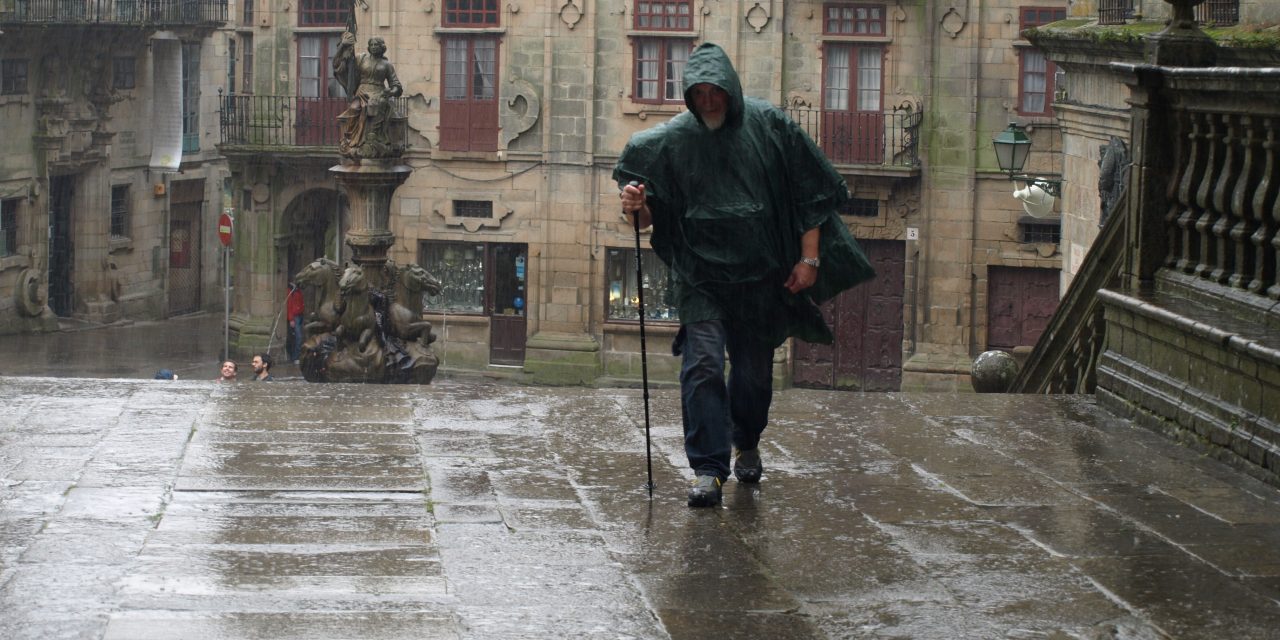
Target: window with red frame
[
  {"x": 471, "y": 13},
  {"x": 657, "y": 62},
  {"x": 659, "y": 69},
  {"x": 1035, "y": 72},
  {"x": 853, "y": 19},
  {"x": 323, "y": 13},
  {"x": 664, "y": 15},
  {"x": 469, "y": 100}
]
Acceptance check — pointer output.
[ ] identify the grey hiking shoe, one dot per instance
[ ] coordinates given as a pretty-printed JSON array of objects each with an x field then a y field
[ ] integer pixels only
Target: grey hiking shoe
[
  {"x": 705, "y": 492},
  {"x": 747, "y": 466}
]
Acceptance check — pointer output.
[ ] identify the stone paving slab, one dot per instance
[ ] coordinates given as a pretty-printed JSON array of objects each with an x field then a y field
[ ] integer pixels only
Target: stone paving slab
[{"x": 473, "y": 510}]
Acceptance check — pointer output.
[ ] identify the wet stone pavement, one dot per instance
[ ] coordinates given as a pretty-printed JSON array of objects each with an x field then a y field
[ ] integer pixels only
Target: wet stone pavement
[{"x": 141, "y": 509}]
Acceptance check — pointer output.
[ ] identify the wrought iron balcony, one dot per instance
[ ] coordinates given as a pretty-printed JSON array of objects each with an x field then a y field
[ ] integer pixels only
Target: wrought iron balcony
[
  {"x": 291, "y": 123},
  {"x": 889, "y": 139},
  {"x": 1216, "y": 12},
  {"x": 113, "y": 12}
]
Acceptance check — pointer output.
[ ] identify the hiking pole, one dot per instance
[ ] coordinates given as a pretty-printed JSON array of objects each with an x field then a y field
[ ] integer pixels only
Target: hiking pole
[{"x": 644, "y": 361}]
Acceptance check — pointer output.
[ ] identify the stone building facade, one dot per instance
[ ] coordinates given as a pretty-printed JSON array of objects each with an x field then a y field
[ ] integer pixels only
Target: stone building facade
[
  {"x": 512, "y": 149},
  {"x": 108, "y": 161},
  {"x": 514, "y": 113}
]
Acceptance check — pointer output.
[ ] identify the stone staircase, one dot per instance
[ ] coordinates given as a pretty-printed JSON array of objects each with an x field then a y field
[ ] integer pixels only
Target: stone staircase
[{"x": 1174, "y": 322}]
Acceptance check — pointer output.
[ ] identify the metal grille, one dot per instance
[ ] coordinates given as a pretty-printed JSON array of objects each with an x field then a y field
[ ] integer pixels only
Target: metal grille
[
  {"x": 120, "y": 211},
  {"x": 155, "y": 12},
  {"x": 861, "y": 208},
  {"x": 1040, "y": 232},
  {"x": 1114, "y": 11},
  {"x": 472, "y": 208},
  {"x": 8, "y": 227},
  {"x": 1218, "y": 12}
]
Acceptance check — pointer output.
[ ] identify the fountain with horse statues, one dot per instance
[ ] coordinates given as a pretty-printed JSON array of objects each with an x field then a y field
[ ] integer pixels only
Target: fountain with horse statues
[{"x": 364, "y": 323}]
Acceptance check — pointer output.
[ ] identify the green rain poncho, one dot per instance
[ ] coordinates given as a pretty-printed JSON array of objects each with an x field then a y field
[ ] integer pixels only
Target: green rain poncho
[{"x": 729, "y": 207}]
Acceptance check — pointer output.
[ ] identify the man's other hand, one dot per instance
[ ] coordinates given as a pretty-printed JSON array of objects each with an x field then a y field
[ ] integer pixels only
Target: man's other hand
[{"x": 802, "y": 277}]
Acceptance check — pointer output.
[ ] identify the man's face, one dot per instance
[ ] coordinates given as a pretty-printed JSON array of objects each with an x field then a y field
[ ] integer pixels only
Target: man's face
[
  {"x": 257, "y": 364},
  {"x": 711, "y": 103},
  {"x": 228, "y": 369}
]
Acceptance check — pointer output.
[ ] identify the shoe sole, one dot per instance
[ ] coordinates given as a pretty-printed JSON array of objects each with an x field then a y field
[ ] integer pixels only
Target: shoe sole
[
  {"x": 750, "y": 475},
  {"x": 703, "y": 501}
]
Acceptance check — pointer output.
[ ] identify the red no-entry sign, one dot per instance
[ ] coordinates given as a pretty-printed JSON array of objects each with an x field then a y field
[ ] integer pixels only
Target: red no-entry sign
[{"x": 224, "y": 229}]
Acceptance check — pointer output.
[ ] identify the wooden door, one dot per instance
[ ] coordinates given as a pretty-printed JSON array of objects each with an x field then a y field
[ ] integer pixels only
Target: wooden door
[
  {"x": 320, "y": 98},
  {"x": 1020, "y": 302},
  {"x": 852, "y": 112},
  {"x": 867, "y": 322},
  {"x": 184, "y": 258},
  {"x": 61, "y": 245},
  {"x": 507, "y": 302}
]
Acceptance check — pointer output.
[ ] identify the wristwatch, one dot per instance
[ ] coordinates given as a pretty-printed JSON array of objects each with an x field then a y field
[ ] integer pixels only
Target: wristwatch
[{"x": 813, "y": 262}]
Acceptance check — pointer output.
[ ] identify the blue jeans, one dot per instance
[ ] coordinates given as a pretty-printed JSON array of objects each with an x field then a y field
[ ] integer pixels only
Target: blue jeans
[{"x": 718, "y": 417}]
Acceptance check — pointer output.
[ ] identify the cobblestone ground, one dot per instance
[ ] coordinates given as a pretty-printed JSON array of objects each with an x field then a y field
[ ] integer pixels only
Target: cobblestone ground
[{"x": 141, "y": 509}]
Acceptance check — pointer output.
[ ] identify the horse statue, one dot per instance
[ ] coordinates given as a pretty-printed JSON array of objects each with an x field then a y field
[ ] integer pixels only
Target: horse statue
[
  {"x": 322, "y": 277},
  {"x": 355, "y": 313},
  {"x": 406, "y": 312}
]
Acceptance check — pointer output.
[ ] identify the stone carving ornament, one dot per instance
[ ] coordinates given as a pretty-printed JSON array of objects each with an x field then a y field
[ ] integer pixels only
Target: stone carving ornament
[
  {"x": 1113, "y": 171},
  {"x": 570, "y": 14}
]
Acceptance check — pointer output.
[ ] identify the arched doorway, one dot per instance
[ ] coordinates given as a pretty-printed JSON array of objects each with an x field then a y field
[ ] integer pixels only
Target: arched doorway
[{"x": 307, "y": 229}]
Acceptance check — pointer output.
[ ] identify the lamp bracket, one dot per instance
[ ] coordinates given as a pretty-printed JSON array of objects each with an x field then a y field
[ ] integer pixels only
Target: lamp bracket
[{"x": 1050, "y": 182}]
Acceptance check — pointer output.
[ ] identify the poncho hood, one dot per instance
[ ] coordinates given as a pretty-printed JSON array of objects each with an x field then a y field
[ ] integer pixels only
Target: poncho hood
[{"x": 710, "y": 64}]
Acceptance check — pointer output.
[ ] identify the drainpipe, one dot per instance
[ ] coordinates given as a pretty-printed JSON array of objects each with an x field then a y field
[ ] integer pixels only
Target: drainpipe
[{"x": 975, "y": 91}]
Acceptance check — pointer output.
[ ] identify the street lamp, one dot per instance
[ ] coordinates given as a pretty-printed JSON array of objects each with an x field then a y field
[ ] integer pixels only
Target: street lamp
[{"x": 1013, "y": 146}]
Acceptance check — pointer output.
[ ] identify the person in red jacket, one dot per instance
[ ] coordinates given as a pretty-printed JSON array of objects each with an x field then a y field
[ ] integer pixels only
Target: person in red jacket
[{"x": 295, "y": 310}]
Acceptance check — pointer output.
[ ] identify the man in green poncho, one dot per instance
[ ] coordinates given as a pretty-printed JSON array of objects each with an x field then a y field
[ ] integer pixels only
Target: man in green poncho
[{"x": 744, "y": 212}]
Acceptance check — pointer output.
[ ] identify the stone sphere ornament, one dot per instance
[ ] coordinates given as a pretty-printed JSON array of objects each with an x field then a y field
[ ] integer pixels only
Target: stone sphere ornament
[{"x": 993, "y": 372}]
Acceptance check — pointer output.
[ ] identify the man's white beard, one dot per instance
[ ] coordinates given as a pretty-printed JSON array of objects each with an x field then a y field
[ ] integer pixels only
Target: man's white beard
[{"x": 713, "y": 122}]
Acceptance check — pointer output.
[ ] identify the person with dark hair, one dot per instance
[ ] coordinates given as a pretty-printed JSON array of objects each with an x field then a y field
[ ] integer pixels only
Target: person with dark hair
[
  {"x": 262, "y": 367},
  {"x": 745, "y": 213},
  {"x": 228, "y": 371}
]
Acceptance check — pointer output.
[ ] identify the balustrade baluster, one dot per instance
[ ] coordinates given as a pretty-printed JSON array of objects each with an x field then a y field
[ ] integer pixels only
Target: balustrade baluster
[
  {"x": 1241, "y": 208},
  {"x": 1186, "y": 198},
  {"x": 1223, "y": 253},
  {"x": 1264, "y": 273},
  {"x": 1274, "y": 290},
  {"x": 1204, "y": 199},
  {"x": 1182, "y": 163}
]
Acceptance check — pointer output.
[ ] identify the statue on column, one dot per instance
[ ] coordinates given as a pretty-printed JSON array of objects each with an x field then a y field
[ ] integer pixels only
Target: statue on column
[{"x": 372, "y": 85}]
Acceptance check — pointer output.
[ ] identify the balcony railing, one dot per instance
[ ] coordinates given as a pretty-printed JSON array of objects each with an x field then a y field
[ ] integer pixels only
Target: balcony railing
[
  {"x": 1114, "y": 11},
  {"x": 119, "y": 12},
  {"x": 263, "y": 122},
  {"x": 888, "y": 139},
  {"x": 1216, "y": 12}
]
